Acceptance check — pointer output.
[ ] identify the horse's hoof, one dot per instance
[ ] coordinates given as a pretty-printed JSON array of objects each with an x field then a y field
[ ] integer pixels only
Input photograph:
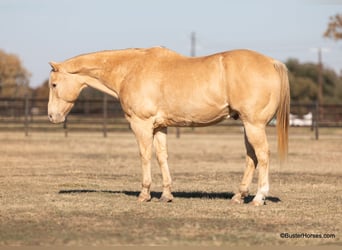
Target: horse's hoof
[
  {"x": 166, "y": 199},
  {"x": 237, "y": 199},
  {"x": 257, "y": 203},
  {"x": 144, "y": 198}
]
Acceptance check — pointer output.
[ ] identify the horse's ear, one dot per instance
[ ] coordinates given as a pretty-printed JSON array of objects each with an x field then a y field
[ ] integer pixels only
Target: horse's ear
[{"x": 54, "y": 66}]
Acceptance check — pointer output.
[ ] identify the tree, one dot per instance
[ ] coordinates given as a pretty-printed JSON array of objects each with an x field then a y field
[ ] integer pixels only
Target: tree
[
  {"x": 334, "y": 29},
  {"x": 303, "y": 79},
  {"x": 41, "y": 92},
  {"x": 14, "y": 78}
]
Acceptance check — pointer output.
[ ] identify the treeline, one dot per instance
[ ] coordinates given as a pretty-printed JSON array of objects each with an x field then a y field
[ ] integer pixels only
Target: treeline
[
  {"x": 303, "y": 79},
  {"x": 14, "y": 78},
  {"x": 14, "y": 82}
]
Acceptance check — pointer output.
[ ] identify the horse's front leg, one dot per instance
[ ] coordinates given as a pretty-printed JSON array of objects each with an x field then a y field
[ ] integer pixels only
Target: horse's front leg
[
  {"x": 143, "y": 131},
  {"x": 161, "y": 152}
]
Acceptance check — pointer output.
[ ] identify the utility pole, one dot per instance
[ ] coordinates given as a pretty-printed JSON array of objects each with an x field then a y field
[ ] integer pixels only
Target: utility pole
[
  {"x": 320, "y": 77},
  {"x": 320, "y": 92},
  {"x": 193, "y": 44}
]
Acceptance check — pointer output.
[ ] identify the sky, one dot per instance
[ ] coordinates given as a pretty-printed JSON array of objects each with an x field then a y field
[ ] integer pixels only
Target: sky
[{"x": 39, "y": 31}]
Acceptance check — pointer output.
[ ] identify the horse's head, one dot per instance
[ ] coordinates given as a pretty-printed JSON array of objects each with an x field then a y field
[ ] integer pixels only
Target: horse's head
[{"x": 65, "y": 87}]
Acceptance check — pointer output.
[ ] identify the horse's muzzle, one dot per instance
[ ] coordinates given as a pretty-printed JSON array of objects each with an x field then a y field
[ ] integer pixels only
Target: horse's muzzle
[{"x": 56, "y": 118}]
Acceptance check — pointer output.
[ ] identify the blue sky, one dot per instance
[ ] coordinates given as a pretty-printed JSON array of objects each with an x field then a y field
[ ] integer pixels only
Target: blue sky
[{"x": 39, "y": 31}]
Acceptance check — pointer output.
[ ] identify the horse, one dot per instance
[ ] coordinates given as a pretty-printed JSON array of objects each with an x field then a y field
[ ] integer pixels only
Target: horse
[{"x": 159, "y": 88}]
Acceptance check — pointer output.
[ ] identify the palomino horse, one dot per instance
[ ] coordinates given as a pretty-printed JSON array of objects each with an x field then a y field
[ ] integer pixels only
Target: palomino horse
[{"x": 158, "y": 88}]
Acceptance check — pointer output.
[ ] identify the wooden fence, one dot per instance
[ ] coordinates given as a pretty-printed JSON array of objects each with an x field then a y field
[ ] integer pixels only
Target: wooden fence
[{"x": 105, "y": 115}]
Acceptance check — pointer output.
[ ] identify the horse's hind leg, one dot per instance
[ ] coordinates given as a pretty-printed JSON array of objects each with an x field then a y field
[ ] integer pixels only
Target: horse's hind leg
[
  {"x": 258, "y": 151},
  {"x": 248, "y": 174},
  {"x": 161, "y": 152}
]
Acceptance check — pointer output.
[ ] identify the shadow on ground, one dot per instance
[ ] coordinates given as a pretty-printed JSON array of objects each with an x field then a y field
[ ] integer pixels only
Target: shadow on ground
[{"x": 183, "y": 194}]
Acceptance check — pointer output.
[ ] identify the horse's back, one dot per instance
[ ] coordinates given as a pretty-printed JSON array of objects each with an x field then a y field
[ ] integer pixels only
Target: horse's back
[{"x": 204, "y": 90}]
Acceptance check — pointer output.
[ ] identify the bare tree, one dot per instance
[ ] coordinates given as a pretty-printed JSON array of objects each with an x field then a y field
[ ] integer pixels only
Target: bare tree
[
  {"x": 334, "y": 29},
  {"x": 14, "y": 78}
]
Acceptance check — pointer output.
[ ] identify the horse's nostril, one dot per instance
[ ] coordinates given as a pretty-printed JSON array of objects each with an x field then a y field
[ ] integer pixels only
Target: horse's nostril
[{"x": 50, "y": 116}]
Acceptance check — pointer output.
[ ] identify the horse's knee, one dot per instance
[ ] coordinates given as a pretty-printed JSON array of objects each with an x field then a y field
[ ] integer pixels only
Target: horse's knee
[{"x": 161, "y": 156}]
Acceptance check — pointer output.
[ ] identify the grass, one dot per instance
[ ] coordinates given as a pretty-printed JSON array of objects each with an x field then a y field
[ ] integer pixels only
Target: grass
[{"x": 81, "y": 190}]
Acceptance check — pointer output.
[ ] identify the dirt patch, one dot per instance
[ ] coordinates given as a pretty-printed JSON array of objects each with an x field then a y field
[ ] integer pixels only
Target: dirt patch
[{"x": 82, "y": 190}]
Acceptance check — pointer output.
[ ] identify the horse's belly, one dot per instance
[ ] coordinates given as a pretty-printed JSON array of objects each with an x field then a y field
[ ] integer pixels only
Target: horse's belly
[{"x": 204, "y": 116}]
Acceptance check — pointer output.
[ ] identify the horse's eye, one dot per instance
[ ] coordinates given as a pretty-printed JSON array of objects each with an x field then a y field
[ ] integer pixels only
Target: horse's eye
[{"x": 54, "y": 85}]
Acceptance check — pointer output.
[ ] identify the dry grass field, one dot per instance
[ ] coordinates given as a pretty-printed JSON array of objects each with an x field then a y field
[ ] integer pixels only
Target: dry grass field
[{"x": 82, "y": 190}]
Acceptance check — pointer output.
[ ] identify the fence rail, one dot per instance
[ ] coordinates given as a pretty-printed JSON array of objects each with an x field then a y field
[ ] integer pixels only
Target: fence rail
[{"x": 105, "y": 115}]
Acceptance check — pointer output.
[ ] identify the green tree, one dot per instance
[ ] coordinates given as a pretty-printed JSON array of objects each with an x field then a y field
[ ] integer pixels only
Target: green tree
[
  {"x": 14, "y": 78},
  {"x": 304, "y": 83}
]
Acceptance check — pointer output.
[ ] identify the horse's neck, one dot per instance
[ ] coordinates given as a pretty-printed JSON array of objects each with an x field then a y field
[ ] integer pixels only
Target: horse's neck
[
  {"x": 101, "y": 86},
  {"x": 104, "y": 71}
]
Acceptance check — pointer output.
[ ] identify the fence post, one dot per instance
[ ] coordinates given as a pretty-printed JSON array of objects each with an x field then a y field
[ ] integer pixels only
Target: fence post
[
  {"x": 316, "y": 120},
  {"x": 177, "y": 132},
  {"x": 26, "y": 122},
  {"x": 105, "y": 114},
  {"x": 65, "y": 127},
  {"x": 312, "y": 108}
]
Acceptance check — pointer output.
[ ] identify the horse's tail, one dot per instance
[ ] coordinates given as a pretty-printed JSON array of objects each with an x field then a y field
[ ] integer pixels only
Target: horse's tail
[{"x": 283, "y": 112}]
